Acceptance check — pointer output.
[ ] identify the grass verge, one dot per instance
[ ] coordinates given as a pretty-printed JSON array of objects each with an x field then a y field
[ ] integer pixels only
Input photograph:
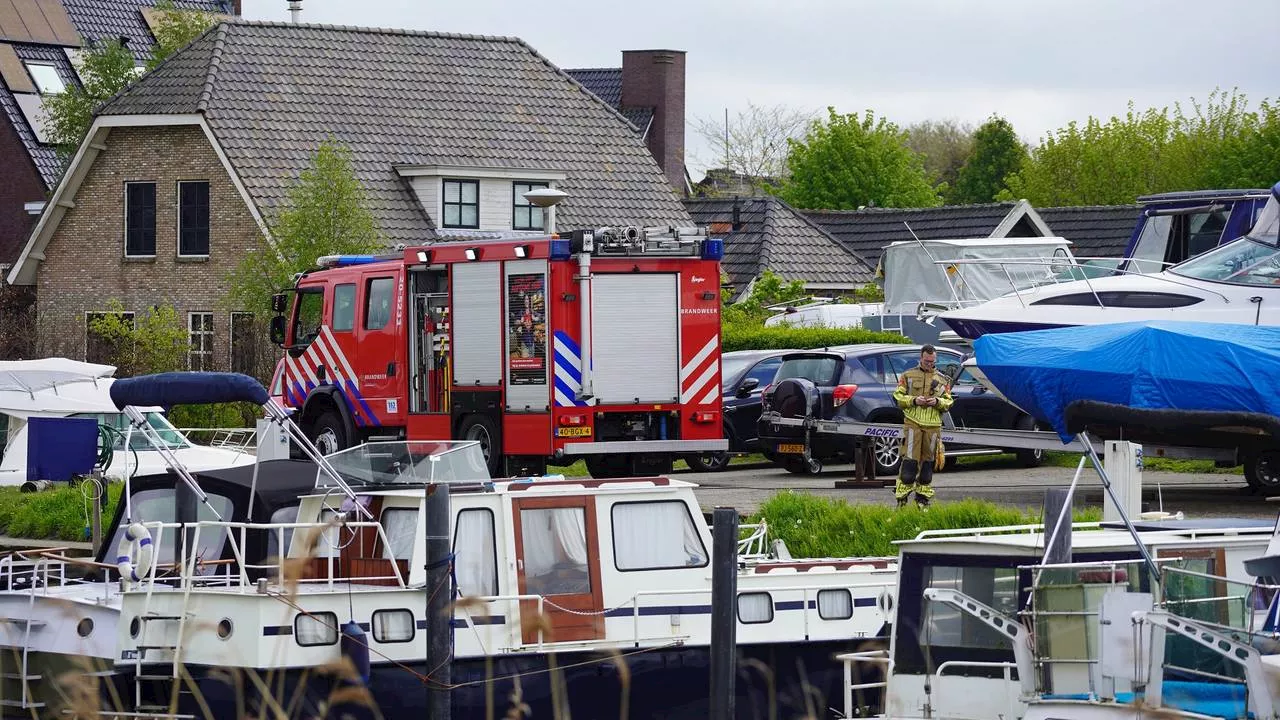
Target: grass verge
[
  {"x": 61, "y": 513},
  {"x": 815, "y": 526},
  {"x": 1154, "y": 464}
]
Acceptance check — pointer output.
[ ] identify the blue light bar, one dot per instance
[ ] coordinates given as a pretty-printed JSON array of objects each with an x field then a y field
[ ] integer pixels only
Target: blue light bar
[
  {"x": 560, "y": 249},
  {"x": 330, "y": 261},
  {"x": 713, "y": 249}
]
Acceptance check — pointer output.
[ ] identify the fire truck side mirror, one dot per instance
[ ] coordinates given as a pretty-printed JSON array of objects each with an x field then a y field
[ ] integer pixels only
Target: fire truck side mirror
[
  {"x": 277, "y": 303},
  {"x": 277, "y": 330}
]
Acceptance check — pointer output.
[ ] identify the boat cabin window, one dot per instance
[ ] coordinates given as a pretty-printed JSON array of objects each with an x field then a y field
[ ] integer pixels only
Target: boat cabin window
[
  {"x": 393, "y": 626},
  {"x": 476, "y": 558},
  {"x": 137, "y": 441},
  {"x": 1242, "y": 262},
  {"x": 400, "y": 525},
  {"x": 755, "y": 607},
  {"x": 159, "y": 505},
  {"x": 555, "y": 551},
  {"x": 282, "y": 515},
  {"x": 317, "y": 628},
  {"x": 655, "y": 536},
  {"x": 947, "y": 626},
  {"x": 835, "y": 604}
]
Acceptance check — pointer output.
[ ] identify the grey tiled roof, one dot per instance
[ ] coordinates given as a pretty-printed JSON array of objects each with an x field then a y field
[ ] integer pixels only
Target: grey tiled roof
[
  {"x": 774, "y": 236},
  {"x": 606, "y": 83},
  {"x": 108, "y": 19},
  {"x": 869, "y": 230},
  {"x": 1094, "y": 230},
  {"x": 272, "y": 92},
  {"x": 94, "y": 20}
]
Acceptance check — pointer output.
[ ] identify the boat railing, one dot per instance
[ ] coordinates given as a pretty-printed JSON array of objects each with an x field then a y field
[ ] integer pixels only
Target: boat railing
[
  {"x": 229, "y": 438},
  {"x": 871, "y": 657},
  {"x": 999, "y": 530},
  {"x": 756, "y": 543},
  {"x": 1004, "y": 264}
]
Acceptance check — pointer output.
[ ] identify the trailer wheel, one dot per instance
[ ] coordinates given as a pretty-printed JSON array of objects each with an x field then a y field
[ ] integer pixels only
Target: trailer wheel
[
  {"x": 797, "y": 465},
  {"x": 328, "y": 433},
  {"x": 1262, "y": 471},
  {"x": 482, "y": 429},
  {"x": 1028, "y": 458}
]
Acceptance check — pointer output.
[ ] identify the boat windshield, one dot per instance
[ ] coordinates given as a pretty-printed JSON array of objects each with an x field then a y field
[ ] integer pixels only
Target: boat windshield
[
  {"x": 1251, "y": 260},
  {"x": 117, "y": 421},
  {"x": 408, "y": 462}
]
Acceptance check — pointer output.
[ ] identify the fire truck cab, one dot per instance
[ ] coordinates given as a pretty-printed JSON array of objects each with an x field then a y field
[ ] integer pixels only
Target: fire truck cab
[{"x": 598, "y": 345}]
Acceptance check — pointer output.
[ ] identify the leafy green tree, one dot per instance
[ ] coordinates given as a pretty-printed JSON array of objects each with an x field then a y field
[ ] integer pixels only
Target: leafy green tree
[
  {"x": 151, "y": 342},
  {"x": 944, "y": 145},
  {"x": 174, "y": 29},
  {"x": 1218, "y": 143},
  {"x": 326, "y": 213},
  {"x": 997, "y": 151},
  {"x": 105, "y": 69},
  {"x": 768, "y": 289},
  {"x": 851, "y": 161}
]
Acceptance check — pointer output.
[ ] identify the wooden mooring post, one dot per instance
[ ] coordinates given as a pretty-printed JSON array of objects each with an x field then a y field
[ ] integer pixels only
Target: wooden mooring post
[
  {"x": 439, "y": 604},
  {"x": 724, "y": 612},
  {"x": 864, "y": 467}
]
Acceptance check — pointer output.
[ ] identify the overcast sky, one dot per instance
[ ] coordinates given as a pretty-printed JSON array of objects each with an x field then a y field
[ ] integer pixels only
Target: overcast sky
[{"x": 1038, "y": 63}]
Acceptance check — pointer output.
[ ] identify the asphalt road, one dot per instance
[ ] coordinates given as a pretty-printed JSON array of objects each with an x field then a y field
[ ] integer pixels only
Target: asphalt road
[{"x": 998, "y": 480}]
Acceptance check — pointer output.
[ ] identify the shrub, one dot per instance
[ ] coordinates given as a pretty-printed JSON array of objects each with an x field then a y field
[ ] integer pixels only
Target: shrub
[
  {"x": 62, "y": 513},
  {"x": 814, "y": 526},
  {"x": 744, "y": 336}
]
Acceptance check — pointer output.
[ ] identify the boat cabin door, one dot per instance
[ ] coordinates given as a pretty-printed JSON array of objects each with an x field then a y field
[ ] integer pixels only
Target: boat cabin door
[{"x": 557, "y": 557}]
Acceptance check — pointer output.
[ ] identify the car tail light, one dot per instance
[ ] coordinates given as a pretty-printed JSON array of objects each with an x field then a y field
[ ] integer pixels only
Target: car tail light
[
  {"x": 704, "y": 417},
  {"x": 573, "y": 420},
  {"x": 842, "y": 393}
]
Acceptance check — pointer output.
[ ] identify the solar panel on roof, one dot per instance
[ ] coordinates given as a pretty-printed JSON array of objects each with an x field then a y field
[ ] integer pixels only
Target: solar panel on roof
[{"x": 37, "y": 21}]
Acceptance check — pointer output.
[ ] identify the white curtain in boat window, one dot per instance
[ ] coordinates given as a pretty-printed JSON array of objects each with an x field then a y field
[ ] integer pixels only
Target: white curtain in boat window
[
  {"x": 393, "y": 626},
  {"x": 756, "y": 607},
  {"x": 401, "y": 527},
  {"x": 652, "y": 535},
  {"x": 554, "y": 542},
  {"x": 835, "y": 604},
  {"x": 474, "y": 562},
  {"x": 317, "y": 628}
]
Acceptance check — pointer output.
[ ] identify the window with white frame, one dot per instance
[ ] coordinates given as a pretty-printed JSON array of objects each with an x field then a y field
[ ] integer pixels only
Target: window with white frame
[
  {"x": 46, "y": 77},
  {"x": 200, "y": 338},
  {"x": 461, "y": 207},
  {"x": 243, "y": 344},
  {"x": 655, "y": 536},
  {"x": 476, "y": 559},
  {"x": 100, "y": 343},
  {"x": 140, "y": 219},
  {"x": 524, "y": 214},
  {"x": 193, "y": 218}
]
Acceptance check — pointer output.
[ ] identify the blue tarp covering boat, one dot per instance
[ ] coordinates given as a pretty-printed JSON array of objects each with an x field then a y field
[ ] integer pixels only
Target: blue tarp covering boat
[{"x": 1183, "y": 377}]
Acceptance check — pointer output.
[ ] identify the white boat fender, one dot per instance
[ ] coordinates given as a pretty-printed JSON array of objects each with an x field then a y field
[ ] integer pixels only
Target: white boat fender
[
  {"x": 355, "y": 645},
  {"x": 138, "y": 537}
]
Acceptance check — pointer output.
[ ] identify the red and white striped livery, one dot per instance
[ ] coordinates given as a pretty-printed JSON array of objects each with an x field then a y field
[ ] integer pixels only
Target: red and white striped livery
[{"x": 601, "y": 345}]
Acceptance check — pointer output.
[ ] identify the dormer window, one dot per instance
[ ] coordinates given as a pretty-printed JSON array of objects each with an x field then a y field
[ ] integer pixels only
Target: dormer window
[
  {"x": 525, "y": 215},
  {"x": 46, "y": 77},
  {"x": 462, "y": 204}
]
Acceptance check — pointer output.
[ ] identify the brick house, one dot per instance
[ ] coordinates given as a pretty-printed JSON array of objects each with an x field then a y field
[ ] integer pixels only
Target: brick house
[
  {"x": 182, "y": 172},
  {"x": 40, "y": 42}
]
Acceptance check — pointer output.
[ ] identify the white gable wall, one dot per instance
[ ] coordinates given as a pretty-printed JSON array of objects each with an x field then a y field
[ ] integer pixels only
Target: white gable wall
[{"x": 496, "y": 194}]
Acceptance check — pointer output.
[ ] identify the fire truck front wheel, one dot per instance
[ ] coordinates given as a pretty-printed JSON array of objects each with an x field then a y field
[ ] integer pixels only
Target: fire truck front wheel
[
  {"x": 328, "y": 433},
  {"x": 483, "y": 430}
]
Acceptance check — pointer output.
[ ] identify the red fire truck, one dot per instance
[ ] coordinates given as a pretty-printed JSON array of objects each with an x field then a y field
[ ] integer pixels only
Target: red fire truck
[{"x": 598, "y": 345}]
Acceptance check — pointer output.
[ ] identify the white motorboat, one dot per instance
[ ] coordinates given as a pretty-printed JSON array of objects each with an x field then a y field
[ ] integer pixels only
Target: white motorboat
[
  {"x": 62, "y": 388},
  {"x": 1238, "y": 282}
]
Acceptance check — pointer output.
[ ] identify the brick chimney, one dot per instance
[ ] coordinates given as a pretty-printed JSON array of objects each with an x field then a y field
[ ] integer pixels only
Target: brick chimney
[
  {"x": 236, "y": 7},
  {"x": 655, "y": 79}
]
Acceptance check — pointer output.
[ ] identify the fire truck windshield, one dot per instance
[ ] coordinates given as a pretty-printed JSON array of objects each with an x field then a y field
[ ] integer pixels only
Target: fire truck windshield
[{"x": 308, "y": 314}]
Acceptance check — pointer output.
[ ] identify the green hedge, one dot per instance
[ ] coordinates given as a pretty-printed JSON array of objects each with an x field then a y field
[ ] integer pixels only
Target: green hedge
[
  {"x": 814, "y": 526},
  {"x": 735, "y": 336},
  {"x": 58, "y": 514}
]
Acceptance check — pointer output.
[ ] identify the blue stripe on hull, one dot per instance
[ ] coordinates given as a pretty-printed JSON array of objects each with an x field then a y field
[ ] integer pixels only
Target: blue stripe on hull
[{"x": 974, "y": 329}]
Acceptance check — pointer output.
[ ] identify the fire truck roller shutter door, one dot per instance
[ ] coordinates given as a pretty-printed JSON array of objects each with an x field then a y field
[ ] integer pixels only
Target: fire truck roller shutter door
[
  {"x": 635, "y": 337},
  {"x": 477, "y": 324}
]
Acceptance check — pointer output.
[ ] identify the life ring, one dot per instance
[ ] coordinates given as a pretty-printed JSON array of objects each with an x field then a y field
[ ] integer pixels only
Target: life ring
[{"x": 135, "y": 537}]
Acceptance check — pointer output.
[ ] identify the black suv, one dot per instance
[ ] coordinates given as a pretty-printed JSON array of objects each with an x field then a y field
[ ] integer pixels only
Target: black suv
[
  {"x": 743, "y": 377},
  {"x": 856, "y": 383}
]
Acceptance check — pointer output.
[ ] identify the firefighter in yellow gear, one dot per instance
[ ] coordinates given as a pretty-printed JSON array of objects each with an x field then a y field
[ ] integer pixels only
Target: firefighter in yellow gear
[{"x": 924, "y": 394}]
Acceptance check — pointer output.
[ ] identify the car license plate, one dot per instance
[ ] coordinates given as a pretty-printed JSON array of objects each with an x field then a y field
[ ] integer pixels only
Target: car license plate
[
  {"x": 791, "y": 448},
  {"x": 573, "y": 432}
]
